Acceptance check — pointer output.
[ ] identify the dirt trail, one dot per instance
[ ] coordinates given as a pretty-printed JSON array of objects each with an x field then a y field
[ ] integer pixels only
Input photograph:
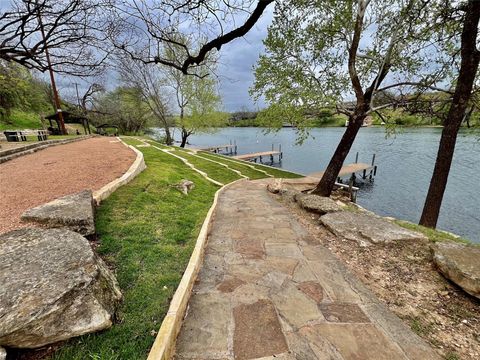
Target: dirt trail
[{"x": 34, "y": 179}]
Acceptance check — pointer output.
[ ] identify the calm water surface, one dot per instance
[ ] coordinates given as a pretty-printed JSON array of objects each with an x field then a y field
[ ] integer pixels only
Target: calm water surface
[{"x": 405, "y": 164}]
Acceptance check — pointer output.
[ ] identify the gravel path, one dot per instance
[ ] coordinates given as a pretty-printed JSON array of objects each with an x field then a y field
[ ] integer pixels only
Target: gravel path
[{"x": 35, "y": 179}]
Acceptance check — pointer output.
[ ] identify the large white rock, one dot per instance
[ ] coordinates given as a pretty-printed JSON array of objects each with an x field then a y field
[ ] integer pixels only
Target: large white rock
[
  {"x": 53, "y": 287},
  {"x": 318, "y": 204},
  {"x": 460, "y": 263},
  {"x": 366, "y": 228},
  {"x": 75, "y": 212}
]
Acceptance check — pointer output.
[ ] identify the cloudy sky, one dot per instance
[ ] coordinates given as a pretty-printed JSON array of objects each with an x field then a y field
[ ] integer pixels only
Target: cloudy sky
[
  {"x": 236, "y": 62},
  {"x": 235, "y": 70}
]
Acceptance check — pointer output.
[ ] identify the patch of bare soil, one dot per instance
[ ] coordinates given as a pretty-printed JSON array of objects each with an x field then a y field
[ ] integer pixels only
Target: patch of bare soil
[{"x": 403, "y": 276}]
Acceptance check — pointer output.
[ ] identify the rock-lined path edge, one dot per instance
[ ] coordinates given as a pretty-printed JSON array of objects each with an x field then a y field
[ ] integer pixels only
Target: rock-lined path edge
[{"x": 268, "y": 288}]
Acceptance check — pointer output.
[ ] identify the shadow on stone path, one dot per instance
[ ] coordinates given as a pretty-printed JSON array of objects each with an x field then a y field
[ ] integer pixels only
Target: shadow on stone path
[{"x": 267, "y": 288}]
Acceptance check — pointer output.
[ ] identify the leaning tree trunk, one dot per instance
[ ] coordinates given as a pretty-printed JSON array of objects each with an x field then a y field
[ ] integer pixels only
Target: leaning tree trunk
[
  {"x": 185, "y": 135},
  {"x": 468, "y": 68},
  {"x": 326, "y": 184},
  {"x": 168, "y": 136}
]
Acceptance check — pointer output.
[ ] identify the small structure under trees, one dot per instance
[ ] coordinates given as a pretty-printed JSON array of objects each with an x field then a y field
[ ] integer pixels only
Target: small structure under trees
[{"x": 69, "y": 117}]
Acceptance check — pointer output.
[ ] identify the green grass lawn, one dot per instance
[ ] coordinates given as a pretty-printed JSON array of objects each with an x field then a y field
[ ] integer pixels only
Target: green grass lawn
[
  {"x": 147, "y": 230},
  {"x": 276, "y": 172},
  {"x": 243, "y": 168},
  {"x": 236, "y": 164},
  {"x": 432, "y": 234},
  {"x": 214, "y": 171}
]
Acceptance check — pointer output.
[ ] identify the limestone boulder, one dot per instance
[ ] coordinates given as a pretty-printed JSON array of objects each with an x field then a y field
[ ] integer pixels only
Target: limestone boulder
[
  {"x": 53, "y": 287},
  {"x": 185, "y": 186},
  {"x": 366, "y": 228},
  {"x": 275, "y": 186},
  {"x": 289, "y": 194},
  {"x": 459, "y": 263},
  {"x": 317, "y": 204},
  {"x": 75, "y": 212}
]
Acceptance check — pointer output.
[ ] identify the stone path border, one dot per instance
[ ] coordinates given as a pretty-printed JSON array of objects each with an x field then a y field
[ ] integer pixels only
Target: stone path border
[
  {"x": 246, "y": 163},
  {"x": 136, "y": 168},
  {"x": 185, "y": 161},
  {"x": 240, "y": 162},
  {"x": 238, "y": 172},
  {"x": 11, "y": 154},
  {"x": 164, "y": 344}
]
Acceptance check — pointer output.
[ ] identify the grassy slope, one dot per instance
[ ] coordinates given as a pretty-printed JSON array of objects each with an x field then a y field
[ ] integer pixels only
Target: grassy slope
[
  {"x": 147, "y": 231},
  {"x": 244, "y": 169},
  {"x": 20, "y": 120},
  {"x": 214, "y": 171},
  {"x": 228, "y": 160}
]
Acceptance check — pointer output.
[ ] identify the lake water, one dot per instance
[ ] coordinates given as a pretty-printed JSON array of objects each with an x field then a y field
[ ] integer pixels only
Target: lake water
[{"x": 405, "y": 164}]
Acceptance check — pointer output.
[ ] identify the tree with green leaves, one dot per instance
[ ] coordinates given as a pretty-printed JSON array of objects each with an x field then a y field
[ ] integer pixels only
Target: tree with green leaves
[
  {"x": 321, "y": 53},
  {"x": 198, "y": 101},
  {"x": 19, "y": 89},
  {"x": 124, "y": 107},
  {"x": 152, "y": 84}
]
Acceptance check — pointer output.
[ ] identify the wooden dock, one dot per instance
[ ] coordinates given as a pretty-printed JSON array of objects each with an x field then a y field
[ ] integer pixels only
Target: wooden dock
[
  {"x": 260, "y": 156},
  {"x": 225, "y": 149},
  {"x": 350, "y": 169}
]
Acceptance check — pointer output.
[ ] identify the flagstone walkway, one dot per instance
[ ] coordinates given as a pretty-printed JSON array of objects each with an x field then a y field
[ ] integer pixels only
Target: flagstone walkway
[{"x": 267, "y": 289}]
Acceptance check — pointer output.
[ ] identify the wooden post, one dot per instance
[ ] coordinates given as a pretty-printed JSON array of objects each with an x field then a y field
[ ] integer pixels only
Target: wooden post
[
  {"x": 356, "y": 158},
  {"x": 350, "y": 187}
]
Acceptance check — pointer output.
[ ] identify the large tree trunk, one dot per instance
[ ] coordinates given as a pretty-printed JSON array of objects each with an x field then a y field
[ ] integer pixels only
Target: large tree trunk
[
  {"x": 168, "y": 136},
  {"x": 468, "y": 69},
  {"x": 185, "y": 135},
  {"x": 326, "y": 184}
]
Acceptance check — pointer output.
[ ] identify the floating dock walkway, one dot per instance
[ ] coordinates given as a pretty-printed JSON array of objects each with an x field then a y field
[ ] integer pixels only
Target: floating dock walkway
[{"x": 260, "y": 156}]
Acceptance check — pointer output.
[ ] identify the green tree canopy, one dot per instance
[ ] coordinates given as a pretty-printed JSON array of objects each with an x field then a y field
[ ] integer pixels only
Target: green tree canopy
[
  {"x": 124, "y": 107},
  {"x": 308, "y": 62}
]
